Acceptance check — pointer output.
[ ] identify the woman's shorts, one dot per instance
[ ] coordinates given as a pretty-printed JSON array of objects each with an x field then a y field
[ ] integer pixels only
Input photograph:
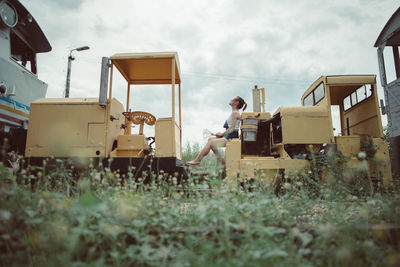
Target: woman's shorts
[{"x": 231, "y": 135}]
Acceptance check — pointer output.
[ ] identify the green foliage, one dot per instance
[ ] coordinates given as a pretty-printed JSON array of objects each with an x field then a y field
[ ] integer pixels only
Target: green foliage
[
  {"x": 50, "y": 217},
  {"x": 190, "y": 151}
]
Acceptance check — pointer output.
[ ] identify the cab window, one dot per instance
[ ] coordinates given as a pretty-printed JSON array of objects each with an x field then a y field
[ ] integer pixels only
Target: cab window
[
  {"x": 357, "y": 96},
  {"x": 319, "y": 93},
  {"x": 308, "y": 100},
  {"x": 315, "y": 96}
]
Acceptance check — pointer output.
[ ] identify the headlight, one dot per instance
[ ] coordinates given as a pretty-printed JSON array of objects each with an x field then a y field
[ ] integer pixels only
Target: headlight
[{"x": 8, "y": 14}]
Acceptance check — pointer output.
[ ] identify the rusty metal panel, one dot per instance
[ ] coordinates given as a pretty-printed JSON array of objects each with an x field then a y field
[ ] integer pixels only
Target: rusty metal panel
[
  {"x": 381, "y": 64},
  {"x": 392, "y": 92}
]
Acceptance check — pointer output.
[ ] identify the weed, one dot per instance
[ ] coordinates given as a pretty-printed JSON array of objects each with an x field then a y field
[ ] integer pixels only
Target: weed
[{"x": 49, "y": 217}]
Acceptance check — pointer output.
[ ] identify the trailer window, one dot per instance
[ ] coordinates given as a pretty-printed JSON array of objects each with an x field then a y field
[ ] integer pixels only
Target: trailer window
[
  {"x": 22, "y": 53},
  {"x": 357, "y": 96},
  {"x": 315, "y": 96}
]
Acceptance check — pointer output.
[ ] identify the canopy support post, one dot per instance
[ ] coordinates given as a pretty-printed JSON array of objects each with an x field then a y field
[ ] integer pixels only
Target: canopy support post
[
  {"x": 173, "y": 104},
  {"x": 127, "y": 99},
  {"x": 111, "y": 79},
  {"x": 180, "y": 115}
]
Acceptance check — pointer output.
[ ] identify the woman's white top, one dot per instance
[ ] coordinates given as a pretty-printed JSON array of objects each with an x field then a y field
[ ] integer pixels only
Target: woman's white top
[{"x": 229, "y": 121}]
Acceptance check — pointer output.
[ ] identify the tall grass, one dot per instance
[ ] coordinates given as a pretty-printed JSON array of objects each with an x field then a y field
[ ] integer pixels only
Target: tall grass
[{"x": 48, "y": 218}]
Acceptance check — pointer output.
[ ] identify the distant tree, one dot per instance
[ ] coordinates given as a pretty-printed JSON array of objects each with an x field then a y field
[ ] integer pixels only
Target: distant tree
[
  {"x": 386, "y": 137},
  {"x": 190, "y": 151}
]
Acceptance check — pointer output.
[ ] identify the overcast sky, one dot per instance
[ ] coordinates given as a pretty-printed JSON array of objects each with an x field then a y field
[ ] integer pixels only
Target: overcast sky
[{"x": 224, "y": 47}]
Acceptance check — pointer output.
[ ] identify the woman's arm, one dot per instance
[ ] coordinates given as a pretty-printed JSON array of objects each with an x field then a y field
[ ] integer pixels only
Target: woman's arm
[{"x": 235, "y": 117}]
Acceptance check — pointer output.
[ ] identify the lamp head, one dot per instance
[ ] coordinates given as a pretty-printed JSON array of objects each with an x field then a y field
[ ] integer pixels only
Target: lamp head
[{"x": 82, "y": 48}]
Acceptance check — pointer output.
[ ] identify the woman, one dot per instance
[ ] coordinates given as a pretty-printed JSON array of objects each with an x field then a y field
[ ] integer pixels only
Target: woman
[{"x": 231, "y": 126}]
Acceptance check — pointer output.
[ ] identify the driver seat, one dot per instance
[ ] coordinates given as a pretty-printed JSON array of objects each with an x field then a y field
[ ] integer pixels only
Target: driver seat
[{"x": 134, "y": 145}]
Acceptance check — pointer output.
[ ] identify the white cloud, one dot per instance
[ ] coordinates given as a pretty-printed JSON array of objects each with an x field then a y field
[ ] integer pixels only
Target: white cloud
[{"x": 225, "y": 47}]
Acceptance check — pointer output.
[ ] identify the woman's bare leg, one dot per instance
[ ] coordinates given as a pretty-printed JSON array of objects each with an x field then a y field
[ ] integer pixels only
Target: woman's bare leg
[
  {"x": 216, "y": 144},
  {"x": 204, "y": 152},
  {"x": 212, "y": 144}
]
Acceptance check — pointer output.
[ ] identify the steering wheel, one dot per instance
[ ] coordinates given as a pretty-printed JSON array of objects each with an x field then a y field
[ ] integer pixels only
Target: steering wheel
[{"x": 139, "y": 117}]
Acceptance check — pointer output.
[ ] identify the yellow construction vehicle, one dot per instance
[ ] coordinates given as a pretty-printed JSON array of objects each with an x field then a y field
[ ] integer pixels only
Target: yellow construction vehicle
[
  {"x": 272, "y": 146},
  {"x": 101, "y": 128}
]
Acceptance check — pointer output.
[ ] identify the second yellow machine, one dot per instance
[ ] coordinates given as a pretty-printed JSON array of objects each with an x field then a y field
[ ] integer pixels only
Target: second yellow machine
[{"x": 281, "y": 144}]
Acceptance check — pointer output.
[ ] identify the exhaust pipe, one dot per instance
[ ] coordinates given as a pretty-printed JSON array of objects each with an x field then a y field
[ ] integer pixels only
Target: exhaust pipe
[
  {"x": 105, "y": 67},
  {"x": 258, "y": 104}
]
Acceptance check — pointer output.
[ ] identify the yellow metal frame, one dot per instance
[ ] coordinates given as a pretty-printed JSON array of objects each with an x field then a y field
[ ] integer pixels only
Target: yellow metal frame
[
  {"x": 87, "y": 129},
  {"x": 152, "y": 68}
]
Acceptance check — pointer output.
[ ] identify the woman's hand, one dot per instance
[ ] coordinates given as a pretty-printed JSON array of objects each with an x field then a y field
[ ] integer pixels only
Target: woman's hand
[{"x": 219, "y": 135}]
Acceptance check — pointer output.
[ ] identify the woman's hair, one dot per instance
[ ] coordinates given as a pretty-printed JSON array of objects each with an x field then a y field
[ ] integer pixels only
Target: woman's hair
[{"x": 241, "y": 103}]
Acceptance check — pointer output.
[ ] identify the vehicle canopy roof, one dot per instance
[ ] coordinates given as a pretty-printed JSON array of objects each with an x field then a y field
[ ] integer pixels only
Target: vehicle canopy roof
[
  {"x": 342, "y": 84},
  {"x": 390, "y": 34},
  {"x": 29, "y": 30},
  {"x": 148, "y": 68}
]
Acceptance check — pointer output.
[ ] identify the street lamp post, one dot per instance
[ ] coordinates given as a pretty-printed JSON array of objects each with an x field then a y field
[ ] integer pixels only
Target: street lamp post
[{"x": 70, "y": 58}]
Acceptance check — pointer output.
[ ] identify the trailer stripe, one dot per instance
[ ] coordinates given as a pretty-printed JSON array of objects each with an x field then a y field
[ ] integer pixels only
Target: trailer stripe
[
  {"x": 12, "y": 101},
  {"x": 14, "y": 111},
  {"x": 13, "y": 119}
]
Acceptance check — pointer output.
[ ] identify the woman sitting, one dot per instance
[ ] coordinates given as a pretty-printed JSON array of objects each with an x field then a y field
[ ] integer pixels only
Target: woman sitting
[{"x": 232, "y": 125}]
